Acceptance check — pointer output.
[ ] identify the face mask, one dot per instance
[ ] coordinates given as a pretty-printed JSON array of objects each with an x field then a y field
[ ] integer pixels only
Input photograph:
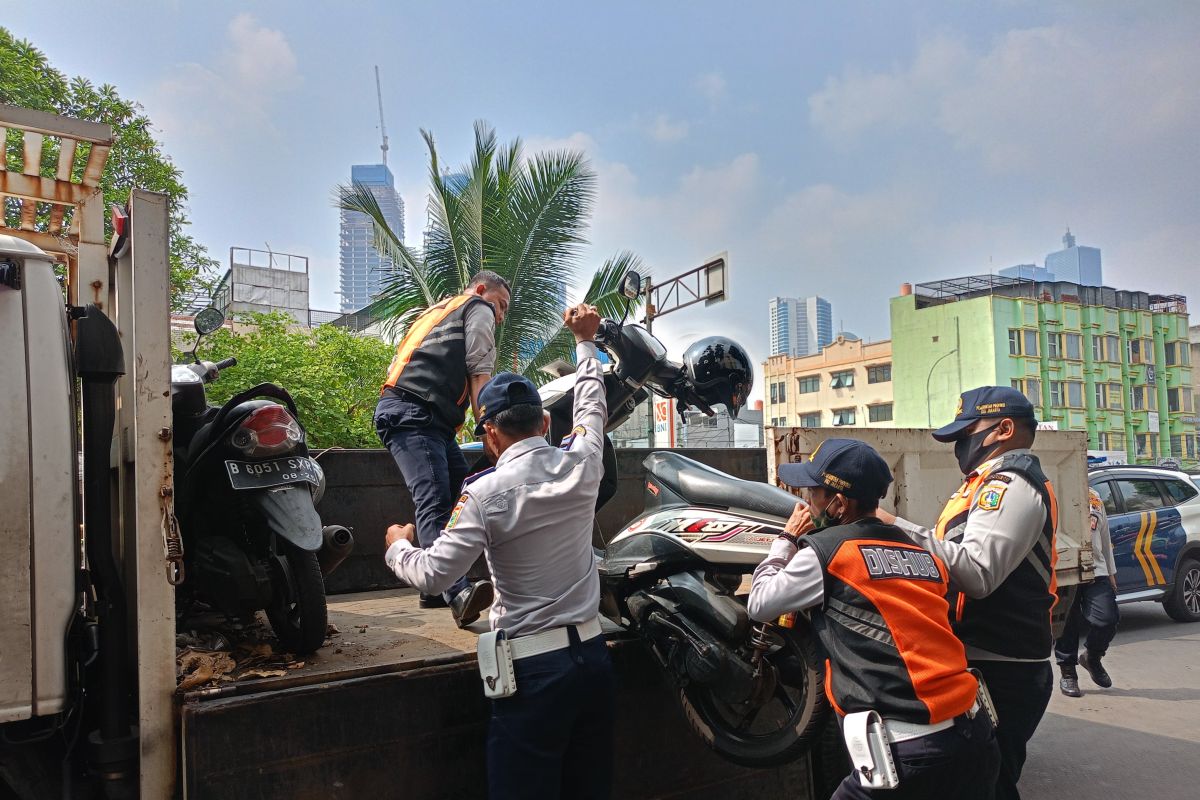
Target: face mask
[
  {"x": 970, "y": 450},
  {"x": 824, "y": 519}
]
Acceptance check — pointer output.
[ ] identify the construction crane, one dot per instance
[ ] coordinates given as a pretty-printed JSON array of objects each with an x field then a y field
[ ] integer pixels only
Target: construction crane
[{"x": 382, "y": 128}]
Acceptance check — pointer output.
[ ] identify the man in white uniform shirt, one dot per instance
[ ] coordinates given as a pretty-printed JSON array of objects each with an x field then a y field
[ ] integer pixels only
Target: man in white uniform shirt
[{"x": 531, "y": 516}]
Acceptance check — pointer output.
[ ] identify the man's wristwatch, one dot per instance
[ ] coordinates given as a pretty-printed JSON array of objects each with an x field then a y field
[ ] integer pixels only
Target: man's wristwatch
[{"x": 791, "y": 537}]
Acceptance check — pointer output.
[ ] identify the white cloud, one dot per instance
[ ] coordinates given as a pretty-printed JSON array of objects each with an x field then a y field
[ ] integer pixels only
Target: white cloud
[
  {"x": 713, "y": 86},
  {"x": 200, "y": 104},
  {"x": 665, "y": 129}
]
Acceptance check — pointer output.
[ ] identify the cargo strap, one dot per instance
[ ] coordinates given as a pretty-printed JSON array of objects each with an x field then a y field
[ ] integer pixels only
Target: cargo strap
[{"x": 172, "y": 541}]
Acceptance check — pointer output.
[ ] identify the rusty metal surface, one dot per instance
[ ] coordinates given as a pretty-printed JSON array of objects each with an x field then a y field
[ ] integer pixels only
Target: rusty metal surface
[{"x": 421, "y": 734}]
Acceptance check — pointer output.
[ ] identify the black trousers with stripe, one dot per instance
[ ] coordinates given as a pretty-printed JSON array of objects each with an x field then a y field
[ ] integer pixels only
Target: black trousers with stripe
[{"x": 1020, "y": 691}]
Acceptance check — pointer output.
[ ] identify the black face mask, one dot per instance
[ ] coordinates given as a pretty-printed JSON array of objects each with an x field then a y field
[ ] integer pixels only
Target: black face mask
[
  {"x": 970, "y": 451},
  {"x": 824, "y": 519}
]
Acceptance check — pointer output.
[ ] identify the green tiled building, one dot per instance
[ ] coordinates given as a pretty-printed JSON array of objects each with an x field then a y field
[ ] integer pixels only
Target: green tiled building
[{"x": 1113, "y": 363}]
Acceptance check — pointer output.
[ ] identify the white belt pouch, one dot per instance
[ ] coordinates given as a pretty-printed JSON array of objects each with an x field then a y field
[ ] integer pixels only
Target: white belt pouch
[
  {"x": 870, "y": 755},
  {"x": 496, "y": 665}
]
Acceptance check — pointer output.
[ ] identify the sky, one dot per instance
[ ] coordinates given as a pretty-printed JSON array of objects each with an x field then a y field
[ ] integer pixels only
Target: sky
[{"x": 837, "y": 149}]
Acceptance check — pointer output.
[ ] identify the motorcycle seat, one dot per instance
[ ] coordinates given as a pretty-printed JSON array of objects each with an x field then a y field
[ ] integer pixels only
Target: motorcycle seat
[{"x": 702, "y": 485}]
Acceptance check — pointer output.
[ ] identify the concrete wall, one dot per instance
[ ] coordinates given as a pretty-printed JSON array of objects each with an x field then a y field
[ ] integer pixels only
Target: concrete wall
[{"x": 365, "y": 492}]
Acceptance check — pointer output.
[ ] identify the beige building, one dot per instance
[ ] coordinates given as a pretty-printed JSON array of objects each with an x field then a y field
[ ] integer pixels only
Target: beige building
[{"x": 848, "y": 383}]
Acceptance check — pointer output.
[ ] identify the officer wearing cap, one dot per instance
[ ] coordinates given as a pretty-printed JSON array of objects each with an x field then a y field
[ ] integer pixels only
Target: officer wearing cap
[
  {"x": 996, "y": 535},
  {"x": 531, "y": 516},
  {"x": 880, "y": 611}
]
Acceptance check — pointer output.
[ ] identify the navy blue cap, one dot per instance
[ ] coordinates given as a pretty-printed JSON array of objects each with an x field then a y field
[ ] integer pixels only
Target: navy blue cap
[
  {"x": 986, "y": 401},
  {"x": 501, "y": 393},
  {"x": 846, "y": 466}
]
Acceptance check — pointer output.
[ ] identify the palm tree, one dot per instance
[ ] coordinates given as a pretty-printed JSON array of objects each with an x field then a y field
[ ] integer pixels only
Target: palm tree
[{"x": 521, "y": 217}]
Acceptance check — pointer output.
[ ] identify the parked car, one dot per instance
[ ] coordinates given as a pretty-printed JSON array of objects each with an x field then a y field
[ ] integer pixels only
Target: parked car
[{"x": 1154, "y": 517}]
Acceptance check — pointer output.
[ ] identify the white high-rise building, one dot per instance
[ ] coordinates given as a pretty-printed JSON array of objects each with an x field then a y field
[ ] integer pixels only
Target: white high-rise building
[{"x": 800, "y": 326}]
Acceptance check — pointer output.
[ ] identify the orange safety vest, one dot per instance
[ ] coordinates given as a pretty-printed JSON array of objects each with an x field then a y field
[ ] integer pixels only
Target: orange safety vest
[
  {"x": 1014, "y": 620},
  {"x": 430, "y": 362},
  {"x": 885, "y": 626}
]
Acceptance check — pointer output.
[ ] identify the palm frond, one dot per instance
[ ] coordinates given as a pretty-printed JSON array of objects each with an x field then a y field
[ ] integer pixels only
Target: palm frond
[{"x": 604, "y": 292}]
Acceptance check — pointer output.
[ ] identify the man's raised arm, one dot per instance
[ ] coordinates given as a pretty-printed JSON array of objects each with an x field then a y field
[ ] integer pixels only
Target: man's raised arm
[{"x": 591, "y": 412}]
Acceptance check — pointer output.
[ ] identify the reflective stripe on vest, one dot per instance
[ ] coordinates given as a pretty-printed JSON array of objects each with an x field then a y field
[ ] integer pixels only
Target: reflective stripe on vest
[{"x": 415, "y": 337}]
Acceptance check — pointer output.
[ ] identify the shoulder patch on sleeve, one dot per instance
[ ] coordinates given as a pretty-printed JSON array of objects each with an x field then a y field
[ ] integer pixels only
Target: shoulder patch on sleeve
[
  {"x": 1003, "y": 477},
  {"x": 990, "y": 497},
  {"x": 457, "y": 512},
  {"x": 570, "y": 438}
]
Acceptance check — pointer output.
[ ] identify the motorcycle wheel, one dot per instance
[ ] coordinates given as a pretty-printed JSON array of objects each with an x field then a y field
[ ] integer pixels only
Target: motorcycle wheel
[
  {"x": 298, "y": 613},
  {"x": 778, "y": 730}
]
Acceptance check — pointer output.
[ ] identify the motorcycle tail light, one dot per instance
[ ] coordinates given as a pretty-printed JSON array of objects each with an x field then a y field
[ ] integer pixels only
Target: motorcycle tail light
[{"x": 268, "y": 431}]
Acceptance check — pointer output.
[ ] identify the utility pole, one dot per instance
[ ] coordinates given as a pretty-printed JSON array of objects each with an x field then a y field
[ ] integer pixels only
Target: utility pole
[{"x": 382, "y": 127}]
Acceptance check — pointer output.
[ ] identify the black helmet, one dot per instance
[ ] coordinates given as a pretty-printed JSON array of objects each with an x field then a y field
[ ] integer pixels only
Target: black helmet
[{"x": 721, "y": 372}]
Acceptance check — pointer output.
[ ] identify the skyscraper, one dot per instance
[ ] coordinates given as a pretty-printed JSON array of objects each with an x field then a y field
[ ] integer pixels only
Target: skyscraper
[
  {"x": 800, "y": 326},
  {"x": 1075, "y": 264},
  {"x": 363, "y": 271}
]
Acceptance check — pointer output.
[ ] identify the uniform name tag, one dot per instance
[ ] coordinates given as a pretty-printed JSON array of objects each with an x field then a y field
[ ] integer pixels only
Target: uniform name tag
[{"x": 898, "y": 562}]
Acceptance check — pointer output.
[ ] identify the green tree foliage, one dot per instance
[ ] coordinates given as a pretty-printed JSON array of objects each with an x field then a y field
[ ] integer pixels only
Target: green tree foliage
[
  {"x": 333, "y": 375},
  {"x": 522, "y": 217},
  {"x": 135, "y": 161}
]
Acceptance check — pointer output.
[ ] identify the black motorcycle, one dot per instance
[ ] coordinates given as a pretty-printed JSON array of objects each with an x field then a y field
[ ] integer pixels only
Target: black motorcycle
[
  {"x": 245, "y": 495},
  {"x": 675, "y": 576}
]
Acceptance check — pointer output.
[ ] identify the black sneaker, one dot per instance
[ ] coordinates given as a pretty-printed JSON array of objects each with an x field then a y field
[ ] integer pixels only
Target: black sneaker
[
  {"x": 1069, "y": 682},
  {"x": 432, "y": 601},
  {"x": 467, "y": 605},
  {"x": 1099, "y": 675}
]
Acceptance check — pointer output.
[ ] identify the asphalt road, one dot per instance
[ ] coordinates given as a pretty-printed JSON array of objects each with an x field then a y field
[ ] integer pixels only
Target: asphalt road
[{"x": 1139, "y": 739}]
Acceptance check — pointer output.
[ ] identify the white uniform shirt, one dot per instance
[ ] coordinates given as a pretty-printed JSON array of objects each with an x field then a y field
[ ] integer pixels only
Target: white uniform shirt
[
  {"x": 1102, "y": 550},
  {"x": 532, "y": 517},
  {"x": 993, "y": 543}
]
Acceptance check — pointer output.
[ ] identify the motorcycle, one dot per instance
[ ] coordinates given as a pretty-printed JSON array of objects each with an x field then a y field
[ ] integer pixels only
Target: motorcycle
[
  {"x": 674, "y": 575},
  {"x": 246, "y": 491}
]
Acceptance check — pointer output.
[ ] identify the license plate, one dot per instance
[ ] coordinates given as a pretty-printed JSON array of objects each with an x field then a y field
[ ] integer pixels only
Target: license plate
[{"x": 277, "y": 472}]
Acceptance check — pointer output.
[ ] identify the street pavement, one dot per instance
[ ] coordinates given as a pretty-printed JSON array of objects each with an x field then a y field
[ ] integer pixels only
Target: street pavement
[{"x": 1139, "y": 739}]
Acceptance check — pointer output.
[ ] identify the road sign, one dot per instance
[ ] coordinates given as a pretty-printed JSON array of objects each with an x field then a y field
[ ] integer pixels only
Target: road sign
[{"x": 707, "y": 283}]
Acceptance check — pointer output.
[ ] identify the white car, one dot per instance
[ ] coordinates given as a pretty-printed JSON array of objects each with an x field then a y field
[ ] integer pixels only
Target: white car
[{"x": 1154, "y": 518}]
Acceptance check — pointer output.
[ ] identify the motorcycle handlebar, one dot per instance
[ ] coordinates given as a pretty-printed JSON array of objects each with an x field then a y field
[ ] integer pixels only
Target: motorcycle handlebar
[{"x": 226, "y": 364}]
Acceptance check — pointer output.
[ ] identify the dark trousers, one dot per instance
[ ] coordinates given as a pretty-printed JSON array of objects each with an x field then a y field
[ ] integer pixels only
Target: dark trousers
[
  {"x": 1094, "y": 609},
  {"x": 1020, "y": 692},
  {"x": 430, "y": 461},
  {"x": 554, "y": 737},
  {"x": 959, "y": 763}
]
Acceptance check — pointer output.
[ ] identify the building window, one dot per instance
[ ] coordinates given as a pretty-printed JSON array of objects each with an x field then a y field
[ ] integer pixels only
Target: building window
[
  {"x": 1134, "y": 349},
  {"x": 841, "y": 380},
  {"x": 810, "y": 384},
  {"x": 1056, "y": 394},
  {"x": 1173, "y": 400},
  {"x": 1101, "y": 395},
  {"x": 1176, "y": 353},
  {"x": 1054, "y": 345},
  {"x": 843, "y": 416},
  {"x": 810, "y": 420},
  {"x": 1112, "y": 345},
  {"x": 1115, "y": 396},
  {"x": 1031, "y": 342},
  {"x": 774, "y": 392},
  {"x": 1014, "y": 342},
  {"x": 1137, "y": 398},
  {"x": 880, "y": 373},
  {"x": 1176, "y": 447},
  {"x": 1075, "y": 394},
  {"x": 1147, "y": 445},
  {"x": 880, "y": 413},
  {"x": 1074, "y": 346},
  {"x": 1097, "y": 348},
  {"x": 1102, "y": 441},
  {"x": 1031, "y": 388},
  {"x": 779, "y": 392}
]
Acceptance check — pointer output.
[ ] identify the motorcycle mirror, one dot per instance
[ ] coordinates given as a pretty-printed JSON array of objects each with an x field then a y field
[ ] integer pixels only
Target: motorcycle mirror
[
  {"x": 209, "y": 320},
  {"x": 631, "y": 287}
]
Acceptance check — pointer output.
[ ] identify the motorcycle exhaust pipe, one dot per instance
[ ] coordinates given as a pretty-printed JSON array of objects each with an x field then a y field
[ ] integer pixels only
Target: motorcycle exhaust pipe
[{"x": 337, "y": 543}]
